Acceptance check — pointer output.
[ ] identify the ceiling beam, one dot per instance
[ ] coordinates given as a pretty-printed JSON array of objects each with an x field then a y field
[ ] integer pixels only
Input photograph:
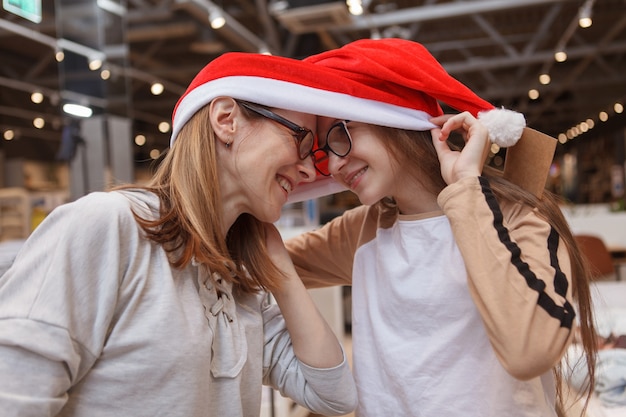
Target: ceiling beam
[{"x": 436, "y": 12}]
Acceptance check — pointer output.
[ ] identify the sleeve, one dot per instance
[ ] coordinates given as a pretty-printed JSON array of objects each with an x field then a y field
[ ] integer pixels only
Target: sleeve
[
  {"x": 519, "y": 276},
  {"x": 56, "y": 303},
  {"x": 329, "y": 392},
  {"x": 324, "y": 257}
]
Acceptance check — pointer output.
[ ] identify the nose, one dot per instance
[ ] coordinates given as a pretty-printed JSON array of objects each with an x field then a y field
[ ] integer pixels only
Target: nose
[
  {"x": 306, "y": 170},
  {"x": 335, "y": 163}
]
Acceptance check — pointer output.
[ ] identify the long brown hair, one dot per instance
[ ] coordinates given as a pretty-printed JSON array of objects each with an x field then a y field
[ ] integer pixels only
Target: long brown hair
[
  {"x": 189, "y": 225},
  {"x": 416, "y": 155}
]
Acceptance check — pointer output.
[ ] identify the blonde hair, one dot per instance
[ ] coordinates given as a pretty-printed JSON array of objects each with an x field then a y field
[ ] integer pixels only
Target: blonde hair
[
  {"x": 416, "y": 155},
  {"x": 189, "y": 225}
]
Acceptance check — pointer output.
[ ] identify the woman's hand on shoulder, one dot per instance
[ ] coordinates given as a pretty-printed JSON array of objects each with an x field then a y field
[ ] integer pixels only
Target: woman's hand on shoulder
[{"x": 456, "y": 165}]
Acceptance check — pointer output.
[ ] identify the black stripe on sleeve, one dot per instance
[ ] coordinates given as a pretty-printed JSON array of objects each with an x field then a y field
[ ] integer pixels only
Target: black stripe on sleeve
[{"x": 565, "y": 314}]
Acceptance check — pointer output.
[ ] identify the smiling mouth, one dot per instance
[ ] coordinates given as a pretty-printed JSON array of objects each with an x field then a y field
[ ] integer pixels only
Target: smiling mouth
[
  {"x": 285, "y": 184},
  {"x": 356, "y": 176}
]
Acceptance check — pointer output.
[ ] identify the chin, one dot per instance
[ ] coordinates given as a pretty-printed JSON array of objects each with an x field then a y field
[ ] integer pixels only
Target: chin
[
  {"x": 272, "y": 215},
  {"x": 368, "y": 200}
]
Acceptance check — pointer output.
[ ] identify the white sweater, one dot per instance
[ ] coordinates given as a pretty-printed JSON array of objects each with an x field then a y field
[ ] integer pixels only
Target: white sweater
[{"x": 94, "y": 322}]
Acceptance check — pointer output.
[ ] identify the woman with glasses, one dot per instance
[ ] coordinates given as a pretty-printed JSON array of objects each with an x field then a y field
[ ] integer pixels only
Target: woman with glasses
[
  {"x": 152, "y": 299},
  {"x": 467, "y": 286}
]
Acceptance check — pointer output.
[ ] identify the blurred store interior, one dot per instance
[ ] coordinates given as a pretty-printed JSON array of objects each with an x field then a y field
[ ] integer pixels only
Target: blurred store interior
[
  {"x": 560, "y": 62},
  {"x": 128, "y": 61}
]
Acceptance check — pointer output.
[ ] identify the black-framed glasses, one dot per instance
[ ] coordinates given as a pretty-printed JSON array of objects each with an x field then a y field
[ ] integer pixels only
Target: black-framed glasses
[
  {"x": 303, "y": 136},
  {"x": 338, "y": 141}
]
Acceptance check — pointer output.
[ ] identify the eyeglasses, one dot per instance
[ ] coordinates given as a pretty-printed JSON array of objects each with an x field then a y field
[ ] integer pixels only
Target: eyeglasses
[
  {"x": 338, "y": 141},
  {"x": 303, "y": 136}
]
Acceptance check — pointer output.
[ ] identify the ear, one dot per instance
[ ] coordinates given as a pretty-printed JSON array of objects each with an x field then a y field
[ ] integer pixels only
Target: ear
[{"x": 223, "y": 113}]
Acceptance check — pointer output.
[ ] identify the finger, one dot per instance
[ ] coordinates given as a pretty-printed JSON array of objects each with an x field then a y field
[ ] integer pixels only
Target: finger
[
  {"x": 441, "y": 146},
  {"x": 436, "y": 134},
  {"x": 440, "y": 120},
  {"x": 462, "y": 121}
]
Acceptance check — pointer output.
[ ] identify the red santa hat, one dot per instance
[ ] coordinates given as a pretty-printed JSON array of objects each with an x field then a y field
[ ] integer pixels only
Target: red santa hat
[{"x": 388, "y": 82}]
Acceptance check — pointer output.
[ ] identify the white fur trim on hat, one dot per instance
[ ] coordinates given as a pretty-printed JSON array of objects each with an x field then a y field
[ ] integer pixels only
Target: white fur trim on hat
[
  {"x": 505, "y": 126},
  {"x": 285, "y": 95}
]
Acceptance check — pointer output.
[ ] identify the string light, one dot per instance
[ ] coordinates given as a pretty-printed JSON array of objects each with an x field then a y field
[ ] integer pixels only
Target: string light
[
  {"x": 8, "y": 134},
  {"x": 39, "y": 122},
  {"x": 589, "y": 124},
  {"x": 164, "y": 127},
  {"x": 157, "y": 88},
  {"x": 140, "y": 140},
  {"x": 36, "y": 97}
]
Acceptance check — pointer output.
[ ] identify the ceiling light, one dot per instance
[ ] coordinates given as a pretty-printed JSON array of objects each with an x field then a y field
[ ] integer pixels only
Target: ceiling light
[
  {"x": 140, "y": 140},
  {"x": 8, "y": 134},
  {"x": 618, "y": 107},
  {"x": 36, "y": 97},
  {"x": 356, "y": 10},
  {"x": 216, "y": 18},
  {"x": 533, "y": 94},
  {"x": 584, "y": 127},
  {"x": 112, "y": 7},
  {"x": 164, "y": 127},
  {"x": 603, "y": 116},
  {"x": 560, "y": 56},
  {"x": 105, "y": 74},
  {"x": 544, "y": 79},
  {"x": 39, "y": 122},
  {"x": 77, "y": 110},
  {"x": 157, "y": 88},
  {"x": 59, "y": 56},
  {"x": 584, "y": 22},
  {"x": 155, "y": 154},
  {"x": 355, "y": 7},
  {"x": 277, "y": 6},
  {"x": 95, "y": 63},
  {"x": 584, "y": 14}
]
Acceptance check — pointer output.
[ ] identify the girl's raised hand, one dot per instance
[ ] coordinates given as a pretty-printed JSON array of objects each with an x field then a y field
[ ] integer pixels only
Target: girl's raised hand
[{"x": 456, "y": 165}]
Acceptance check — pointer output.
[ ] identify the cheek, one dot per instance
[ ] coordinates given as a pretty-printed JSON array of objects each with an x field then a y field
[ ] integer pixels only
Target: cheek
[{"x": 268, "y": 162}]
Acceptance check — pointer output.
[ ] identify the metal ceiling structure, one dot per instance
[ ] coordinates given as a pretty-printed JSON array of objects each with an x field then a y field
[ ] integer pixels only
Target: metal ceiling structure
[{"x": 499, "y": 48}]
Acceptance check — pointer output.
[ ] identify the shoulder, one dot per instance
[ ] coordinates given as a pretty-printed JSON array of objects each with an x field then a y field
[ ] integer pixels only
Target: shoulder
[
  {"x": 98, "y": 202},
  {"x": 97, "y": 213},
  {"x": 114, "y": 203},
  {"x": 358, "y": 214}
]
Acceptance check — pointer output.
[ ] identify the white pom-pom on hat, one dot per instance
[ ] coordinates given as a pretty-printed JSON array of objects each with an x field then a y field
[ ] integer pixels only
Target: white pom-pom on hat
[{"x": 505, "y": 126}]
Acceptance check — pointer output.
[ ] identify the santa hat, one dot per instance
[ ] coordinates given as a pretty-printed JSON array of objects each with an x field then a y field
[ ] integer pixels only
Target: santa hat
[
  {"x": 400, "y": 84},
  {"x": 389, "y": 82}
]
